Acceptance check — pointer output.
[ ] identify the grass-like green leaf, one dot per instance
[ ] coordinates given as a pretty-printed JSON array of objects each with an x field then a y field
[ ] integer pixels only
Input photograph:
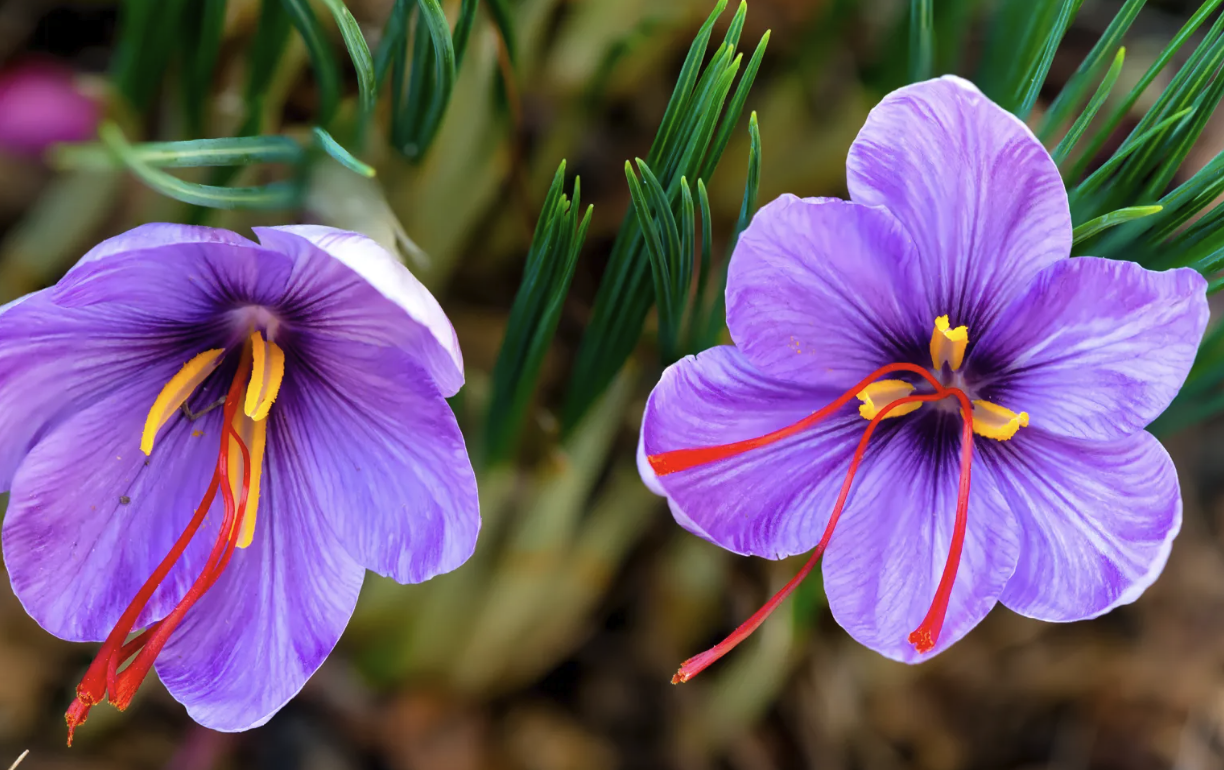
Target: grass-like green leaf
[
  {"x": 1094, "y": 105},
  {"x": 1101, "y": 135},
  {"x": 200, "y": 59},
  {"x": 503, "y": 19},
  {"x": 197, "y": 153},
  {"x": 551, "y": 262},
  {"x": 279, "y": 195},
  {"x": 359, "y": 53},
  {"x": 341, "y": 155},
  {"x": 271, "y": 38},
  {"x": 1040, "y": 68},
  {"x": 921, "y": 40},
  {"x": 1076, "y": 87},
  {"x": 692, "y": 134},
  {"x": 1112, "y": 219},
  {"x": 326, "y": 70}
]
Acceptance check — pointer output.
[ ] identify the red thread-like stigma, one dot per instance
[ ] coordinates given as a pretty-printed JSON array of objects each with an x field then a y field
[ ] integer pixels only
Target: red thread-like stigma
[
  {"x": 927, "y": 634},
  {"x": 103, "y": 675}
]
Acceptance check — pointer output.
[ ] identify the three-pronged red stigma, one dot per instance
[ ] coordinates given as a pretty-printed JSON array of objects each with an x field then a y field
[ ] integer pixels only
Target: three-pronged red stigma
[
  {"x": 926, "y": 635},
  {"x": 103, "y": 675}
]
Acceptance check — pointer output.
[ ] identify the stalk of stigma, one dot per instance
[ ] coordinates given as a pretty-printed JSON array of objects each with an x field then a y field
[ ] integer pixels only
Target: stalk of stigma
[{"x": 236, "y": 475}]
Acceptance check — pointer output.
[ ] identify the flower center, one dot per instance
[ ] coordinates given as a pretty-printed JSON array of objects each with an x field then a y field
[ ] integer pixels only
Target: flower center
[
  {"x": 236, "y": 475},
  {"x": 880, "y": 399}
]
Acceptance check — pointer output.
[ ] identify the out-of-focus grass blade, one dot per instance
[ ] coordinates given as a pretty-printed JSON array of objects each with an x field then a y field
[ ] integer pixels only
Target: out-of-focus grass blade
[
  {"x": 1094, "y": 105},
  {"x": 359, "y": 52},
  {"x": 1111, "y": 123},
  {"x": 432, "y": 80},
  {"x": 201, "y": 59},
  {"x": 503, "y": 19},
  {"x": 271, "y": 37},
  {"x": 921, "y": 40},
  {"x": 230, "y": 151},
  {"x": 1040, "y": 68},
  {"x": 273, "y": 196},
  {"x": 327, "y": 71},
  {"x": 1076, "y": 87},
  {"x": 341, "y": 155},
  {"x": 149, "y": 30},
  {"x": 463, "y": 31},
  {"x": 394, "y": 35},
  {"x": 1112, "y": 219},
  {"x": 1014, "y": 46}
]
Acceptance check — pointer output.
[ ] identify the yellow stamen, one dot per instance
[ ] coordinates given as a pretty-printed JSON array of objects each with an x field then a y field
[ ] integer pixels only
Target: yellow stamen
[
  {"x": 993, "y": 421},
  {"x": 176, "y": 392},
  {"x": 267, "y": 372},
  {"x": 948, "y": 344},
  {"x": 880, "y": 394},
  {"x": 254, "y": 434}
]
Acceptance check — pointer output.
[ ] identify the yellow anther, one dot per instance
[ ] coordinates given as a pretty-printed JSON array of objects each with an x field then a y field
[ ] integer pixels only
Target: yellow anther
[
  {"x": 254, "y": 435},
  {"x": 176, "y": 392},
  {"x": 880, "y": 394},
  {"x": 993, "y": 421},
  {"x": 267, "y": 372},
  {"x": 948, "y": 344}
]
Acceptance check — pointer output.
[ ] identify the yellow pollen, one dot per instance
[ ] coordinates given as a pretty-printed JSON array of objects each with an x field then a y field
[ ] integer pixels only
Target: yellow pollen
[
  {"x": 996, "y": 422},
  {"x": 176, "y": 392},
  {"x": 880, "y": 394},
  {"x": 267, "y": 372},
  {"x": 948, "y": 344}
]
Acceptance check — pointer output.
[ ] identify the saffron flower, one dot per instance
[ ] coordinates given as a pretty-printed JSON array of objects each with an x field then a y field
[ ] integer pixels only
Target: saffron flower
[
  {"x": 998, "y": 451},
  {"x": 211, "y": 440}
]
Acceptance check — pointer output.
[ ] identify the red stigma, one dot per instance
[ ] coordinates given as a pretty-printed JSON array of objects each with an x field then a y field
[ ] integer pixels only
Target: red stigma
[
  {"x": 104, "y": 675},
  {"x": 926, "y": 635}
]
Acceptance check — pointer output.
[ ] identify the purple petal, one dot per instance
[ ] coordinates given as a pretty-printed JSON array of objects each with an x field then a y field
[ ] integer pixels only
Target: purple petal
[
  {"x": 888, "y": 553},
  {"x": 153, "y": 296},
  {"x": 820, "y": 291},
  {"x": 90, "y": 517},
  {"x": 387, "y": 295},
  {"x": 251, "y": 642},
  {"x": 1095, "y": 348},
  {"x": 772, "y": 501},
  {"x": 979, "y": 194},
  {"x": 383, "y": 458},
  {"x": 1098, "y": 520}
]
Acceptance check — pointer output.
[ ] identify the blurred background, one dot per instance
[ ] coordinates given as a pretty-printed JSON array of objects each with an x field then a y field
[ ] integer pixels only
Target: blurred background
[{"x": 553, "y": 648}]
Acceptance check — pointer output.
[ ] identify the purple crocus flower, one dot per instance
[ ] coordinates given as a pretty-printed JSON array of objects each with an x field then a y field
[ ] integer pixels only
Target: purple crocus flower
[
  {"x": 212, "y": 439},
  {"x": 943, "y": 298}
]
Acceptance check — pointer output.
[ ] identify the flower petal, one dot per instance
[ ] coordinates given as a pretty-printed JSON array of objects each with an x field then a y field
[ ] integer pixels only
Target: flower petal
[
  {"x": 90, "y": 517},
  {"x": 154, "y": 295},
  {"x": 431, "y": 339},
  {"x": 382, "y": 455},
  {"x": 1098, "y": 520},
  {"x": 888, "y": 553},
  {"x": 821, "y": 291},
  {"x": 270, "y": 621},
  {"x": 772, "y": 501},
  {"x": 1095, "y": 348},
  {"x": 981, "y": 197}
]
